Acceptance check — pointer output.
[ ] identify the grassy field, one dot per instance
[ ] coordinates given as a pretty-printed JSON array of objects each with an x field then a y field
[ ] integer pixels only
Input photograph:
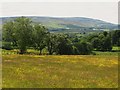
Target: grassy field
[{"x": 55, "y": 71}]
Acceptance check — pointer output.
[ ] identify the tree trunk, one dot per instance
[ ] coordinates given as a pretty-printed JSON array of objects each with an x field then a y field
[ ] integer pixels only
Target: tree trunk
[
  {"x": 50, "y": 52},
  {"x": 40, "y": 52},
  {"x": 22, "y": 51}
]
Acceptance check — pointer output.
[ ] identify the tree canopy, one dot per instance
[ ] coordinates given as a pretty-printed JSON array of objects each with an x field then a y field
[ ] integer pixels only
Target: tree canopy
[{"x": 22, "y": 34}]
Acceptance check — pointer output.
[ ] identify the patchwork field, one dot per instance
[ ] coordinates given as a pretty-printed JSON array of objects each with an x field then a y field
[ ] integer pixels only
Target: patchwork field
[{"x": 55, "y": 71}]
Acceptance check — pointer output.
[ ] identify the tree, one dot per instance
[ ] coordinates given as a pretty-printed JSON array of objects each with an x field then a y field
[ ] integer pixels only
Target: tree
[
  {"x": 116, "y": 37},
  {"x": 8, "y": 31},
  {"x": 90, "y": 37},
  {"x": 96, "y": 43},
  {"x": 106, "y": 44},
  {"x": 51, "y": 43},
  {"x": 102, "y": 42},
  {"x": 84, "y": 47},
  {"x": 23, "y": 31},
  {"x": 9, "y": 35},
  {"x": 101, "y": 36},
  {"x": 39, "y": 36},
  {"x": 64, "y": 45},
  {"x": 75, "y": 50},
  {"x": 7, "y": 45},
  {"x": 105, "y": 33}
]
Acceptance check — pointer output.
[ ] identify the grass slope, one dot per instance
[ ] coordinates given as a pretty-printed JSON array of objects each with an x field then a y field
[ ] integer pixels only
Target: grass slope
[
  {"x": 55, "y": 71},
  {"x": 73, "y": 23}
]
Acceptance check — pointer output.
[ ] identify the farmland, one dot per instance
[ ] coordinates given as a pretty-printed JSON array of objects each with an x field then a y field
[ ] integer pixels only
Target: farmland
[
  {"x": 60, "y": 71},
  {"x": 35, "y": 57}
]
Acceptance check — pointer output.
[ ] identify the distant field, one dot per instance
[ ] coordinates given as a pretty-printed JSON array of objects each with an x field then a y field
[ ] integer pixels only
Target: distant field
[{"x": 55, "y": 71}]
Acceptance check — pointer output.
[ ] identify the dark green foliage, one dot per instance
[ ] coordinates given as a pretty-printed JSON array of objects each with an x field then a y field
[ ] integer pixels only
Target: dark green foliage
[
  {"x": 116, "y": 37},
  {"x": 51, "y": 42},
  {"x": 96, "y": 43},
  {"x": 7, "y": 45},
  {"x": 23, "y": 32},
  {"x": 84, "y": 47},
  {"x": 90, "y": 37},
  {"x": 106, "y": 44},
  {"x": 64, "y": 45},
  {"x": 65, "y": 49},
  {"x": 39, "y": 37},
  {"x": 75, "y": 51},
  {"x": 102, "y": 42},
  {"x": 8, "y": 31},
  {"x": 105, "y": 33},
  {"x": 18, "y": 32},
  {"x": 101, "y": 36}
]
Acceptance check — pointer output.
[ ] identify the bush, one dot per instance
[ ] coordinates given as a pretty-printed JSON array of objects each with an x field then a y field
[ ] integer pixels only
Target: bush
[
  {"x": 75, "y": 50},
  {"x": 106, "y": 44},
  {"x": 84, "y": 48},
  {"x": 65, "y": 49},
  {"x": 7, "y": 46},
  {"x": 96, "y": 43}
]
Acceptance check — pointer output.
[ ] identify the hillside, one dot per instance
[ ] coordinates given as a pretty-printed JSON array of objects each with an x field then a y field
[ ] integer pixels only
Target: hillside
[{"x": 70, "y": 24}]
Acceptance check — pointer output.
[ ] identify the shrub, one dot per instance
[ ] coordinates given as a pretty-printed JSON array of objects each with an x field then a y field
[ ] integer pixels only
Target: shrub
[
  {"x": 7, "y": 46},
  {"x": 84, "y": 48},
  {"x": 65, "y": 49},
  {"x": 75, "y": 50}
]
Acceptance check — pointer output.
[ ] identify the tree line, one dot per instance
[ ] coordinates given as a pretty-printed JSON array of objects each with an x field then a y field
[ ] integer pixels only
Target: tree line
[{"x": 22, "y": 34}]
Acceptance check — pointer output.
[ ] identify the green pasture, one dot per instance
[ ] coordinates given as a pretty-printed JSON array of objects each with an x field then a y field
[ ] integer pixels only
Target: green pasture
[{"x": 59, "y": 71}]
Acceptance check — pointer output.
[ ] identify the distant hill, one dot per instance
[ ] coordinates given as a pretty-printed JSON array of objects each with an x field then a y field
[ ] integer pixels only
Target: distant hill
[{"x": 70, "y": 24}]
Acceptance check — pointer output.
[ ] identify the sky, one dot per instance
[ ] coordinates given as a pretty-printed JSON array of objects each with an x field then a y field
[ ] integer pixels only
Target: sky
[{"x": 106, "y": 11}]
